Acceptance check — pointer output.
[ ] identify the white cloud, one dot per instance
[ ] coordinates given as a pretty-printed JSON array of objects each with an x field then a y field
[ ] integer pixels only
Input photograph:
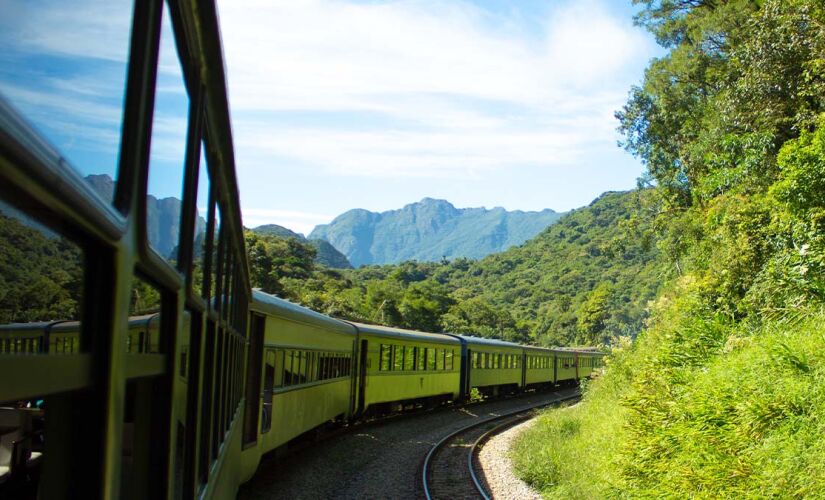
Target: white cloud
[
  {"x": 301, "y": 222},
  {"x": 428, "y": 88}
]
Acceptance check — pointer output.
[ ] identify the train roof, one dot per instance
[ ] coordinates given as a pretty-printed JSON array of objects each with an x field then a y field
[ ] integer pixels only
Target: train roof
[
  {"x": 403, "y": 334},
  {"x": 274, "y": 306},
  {"x": 535, "y": 348},
  {"x": 578, "y": 350},
  {"x": 490, "y": 342},
  {"x": 66, "y": 324}
]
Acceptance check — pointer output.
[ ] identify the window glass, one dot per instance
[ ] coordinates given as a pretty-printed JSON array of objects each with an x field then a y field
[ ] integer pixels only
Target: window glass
[
  {"x": 42, "y": 282},
  {"x": 431, "y": 359},
  {"x": 201, "y": 212},
  {"x": 168, "y": 148},
  {"x": 421, "y": 358},
  {"x": 63, "y": 67}
]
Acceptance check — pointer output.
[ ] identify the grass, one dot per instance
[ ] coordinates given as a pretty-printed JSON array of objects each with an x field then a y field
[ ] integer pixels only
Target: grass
[{"x": 743, "y": 417}]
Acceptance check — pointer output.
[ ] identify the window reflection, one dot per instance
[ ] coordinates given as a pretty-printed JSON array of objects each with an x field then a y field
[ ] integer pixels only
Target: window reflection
[
  {"x": 168, "y": 148},
  {"x": 63, "y": 66},
  {"x": 202, "y": 212}
]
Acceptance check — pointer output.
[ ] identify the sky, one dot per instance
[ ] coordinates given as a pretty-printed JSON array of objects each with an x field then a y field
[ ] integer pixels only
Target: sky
[
  {"x": 377, "y": 104},
  {"x": 355, "y": 104}
]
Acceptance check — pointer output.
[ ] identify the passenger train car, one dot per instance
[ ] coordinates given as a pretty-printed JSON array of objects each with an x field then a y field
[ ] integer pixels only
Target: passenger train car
[
  {"x": 118, "y": 189},
  {"x": 306, "y": 370}
]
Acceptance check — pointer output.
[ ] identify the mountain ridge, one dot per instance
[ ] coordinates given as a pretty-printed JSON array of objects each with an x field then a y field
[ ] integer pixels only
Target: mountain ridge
[{"x": 430, "y": 230}]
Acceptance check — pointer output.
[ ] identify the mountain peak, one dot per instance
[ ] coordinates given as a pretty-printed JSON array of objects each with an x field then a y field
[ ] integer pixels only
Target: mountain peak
[{"x": 429, "y": 230}]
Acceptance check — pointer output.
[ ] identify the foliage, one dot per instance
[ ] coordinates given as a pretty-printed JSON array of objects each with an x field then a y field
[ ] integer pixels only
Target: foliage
[
  {"x": 723, "y": 394},
  {"x": 41, "y": 274},
  {"x": 582, "y": 280}
]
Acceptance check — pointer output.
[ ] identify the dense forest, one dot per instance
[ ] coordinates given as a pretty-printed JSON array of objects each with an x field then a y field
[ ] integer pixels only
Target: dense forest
[
  {"x": 723, "y": 393},
  {"x": 584, "y": 280}
]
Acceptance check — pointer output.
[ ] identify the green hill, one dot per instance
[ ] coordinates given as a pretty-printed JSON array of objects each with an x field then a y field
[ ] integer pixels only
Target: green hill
[
  {"x": 723, "y": 393},
  {"x": 582, "y": 280},
  {"x": 326, "y": 254}
]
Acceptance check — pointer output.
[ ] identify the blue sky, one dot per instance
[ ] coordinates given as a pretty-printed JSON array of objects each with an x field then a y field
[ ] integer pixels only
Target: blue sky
[
  {"x": 370, "y": 104},
  {"x": 376, "y": 104}
]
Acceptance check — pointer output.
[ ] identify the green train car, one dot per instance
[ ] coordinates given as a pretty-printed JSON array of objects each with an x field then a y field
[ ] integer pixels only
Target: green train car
[
  {"x": 184, "y": 402},
  {"x": 306, "y": 370},
  {"x": 401, "y": 368}
]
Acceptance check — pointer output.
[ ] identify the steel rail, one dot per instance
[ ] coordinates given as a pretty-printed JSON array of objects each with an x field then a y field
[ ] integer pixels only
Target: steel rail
[{"x": 425, "y": 468}]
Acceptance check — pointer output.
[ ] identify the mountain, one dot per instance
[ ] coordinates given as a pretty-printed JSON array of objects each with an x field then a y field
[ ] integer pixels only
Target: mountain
[
  {"x": 429, "y": 231},
  {"x": 326, "y": 255},
  {"x": 162, "y": 214}
]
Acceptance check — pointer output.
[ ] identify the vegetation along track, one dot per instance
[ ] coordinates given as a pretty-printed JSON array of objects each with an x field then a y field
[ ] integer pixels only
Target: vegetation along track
[{"x": 449, "y": 468}]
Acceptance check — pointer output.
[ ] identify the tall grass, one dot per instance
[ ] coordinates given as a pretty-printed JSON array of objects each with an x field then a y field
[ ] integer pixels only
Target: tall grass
[{"x": 722, "y": 411}]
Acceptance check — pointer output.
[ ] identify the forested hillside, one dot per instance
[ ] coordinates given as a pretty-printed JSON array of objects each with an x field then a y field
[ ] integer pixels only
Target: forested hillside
[
  {"x": 723, "y": 394},
  {"x": 583, "y": 280},
  {"x": 325, "y": 253}
]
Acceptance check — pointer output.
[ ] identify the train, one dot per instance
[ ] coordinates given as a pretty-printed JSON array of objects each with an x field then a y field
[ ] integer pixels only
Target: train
[
  {"x": 182, "y": 402},
  {"x": 307, "y": 371}
]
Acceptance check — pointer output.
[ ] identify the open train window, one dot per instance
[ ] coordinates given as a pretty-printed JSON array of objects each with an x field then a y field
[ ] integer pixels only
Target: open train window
[
  {"x": 409, "y": 358},
  {"x": 386, "y": 358},
  {"x": 397, "y": 357}
]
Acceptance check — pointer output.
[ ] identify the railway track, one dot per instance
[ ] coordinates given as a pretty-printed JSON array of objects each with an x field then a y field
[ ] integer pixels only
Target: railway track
[{"x": 449, "y": 470}]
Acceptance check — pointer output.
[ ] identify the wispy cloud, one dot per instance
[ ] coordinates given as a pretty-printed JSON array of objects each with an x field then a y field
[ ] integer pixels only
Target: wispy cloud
[{"x": 456, "y": 89}]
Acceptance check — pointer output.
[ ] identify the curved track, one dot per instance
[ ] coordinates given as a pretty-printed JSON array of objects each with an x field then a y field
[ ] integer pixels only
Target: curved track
[{"x": 449, "y": 471}]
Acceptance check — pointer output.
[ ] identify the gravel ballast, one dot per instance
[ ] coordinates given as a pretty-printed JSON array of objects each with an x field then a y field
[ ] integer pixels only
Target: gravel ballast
[
  {"x": 497, "y": 468},
  {"x": 377, "y": 460}
]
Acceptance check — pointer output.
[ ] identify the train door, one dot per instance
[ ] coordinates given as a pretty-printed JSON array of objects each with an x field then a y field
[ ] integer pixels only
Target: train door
[
  {"x": 362, "y": 376},
  {"x": 255, "y": 357},
  {"x": 269, "y": 386},
  {"x": 555, "y": 368},
  {"x": 468, "y": 365},
  {"x": 576, "y": 364},
  {"x": 463, "y": 392}
]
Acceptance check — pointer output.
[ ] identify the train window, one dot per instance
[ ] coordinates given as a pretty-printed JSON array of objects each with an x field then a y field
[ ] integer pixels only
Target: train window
[
  {"x": 199, "y": 230},
  {"x": 42, "y": 276},
  {"x": 310, "y": 367},
  {"x": 439, "y": 359},
  {"x": 431, "y": 358},
  {"x": 449, "y": 359},
  {"x": 386, "y": 354},
  {"x": 64, "y": 68},
  {"x": 420, "y": 358},
  {"x": 289, "y": 363},
  {"x": 397, "y": 357},
  {"x": 300, "y": 370},
  {"x": 167, "y": 149},
  {"x": 409, "y": 358}
]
